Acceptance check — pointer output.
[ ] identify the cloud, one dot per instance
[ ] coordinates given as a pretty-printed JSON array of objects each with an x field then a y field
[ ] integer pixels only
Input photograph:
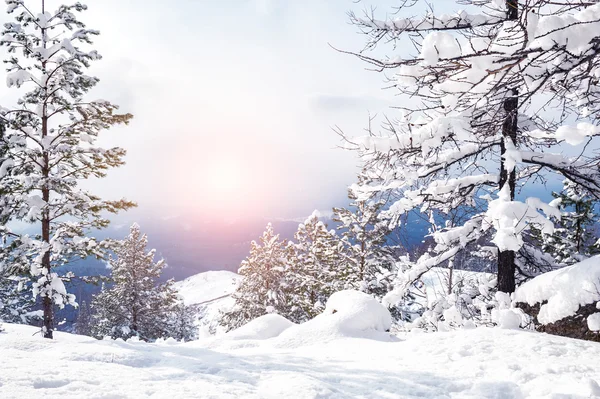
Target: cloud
[{"x": 344, "y": 103}]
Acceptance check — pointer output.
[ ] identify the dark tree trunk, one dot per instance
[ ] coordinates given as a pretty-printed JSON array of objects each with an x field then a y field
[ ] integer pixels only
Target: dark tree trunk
[
  {"x": 506, "y": 259},
  {"x": 47, "y": 302}
]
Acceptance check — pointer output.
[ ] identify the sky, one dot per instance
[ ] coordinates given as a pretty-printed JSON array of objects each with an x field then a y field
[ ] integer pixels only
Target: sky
[{"x": 234, "y": 103}]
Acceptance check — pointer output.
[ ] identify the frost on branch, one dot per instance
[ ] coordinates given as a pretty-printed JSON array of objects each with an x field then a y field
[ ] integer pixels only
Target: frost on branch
[{"x": 493, "y": 100}]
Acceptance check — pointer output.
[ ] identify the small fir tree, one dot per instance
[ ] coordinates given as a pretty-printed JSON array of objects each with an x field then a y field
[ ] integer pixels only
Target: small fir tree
[
  {"x": 316, "y": 268},
  {"x": 368, "y": 261},
  {"x": 135, "y": 305},
  {"x": 263, "y": 288}
]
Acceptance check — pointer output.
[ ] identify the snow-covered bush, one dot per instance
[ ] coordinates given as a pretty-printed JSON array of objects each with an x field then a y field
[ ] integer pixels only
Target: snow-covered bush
[{"x": 451, "y": 299}]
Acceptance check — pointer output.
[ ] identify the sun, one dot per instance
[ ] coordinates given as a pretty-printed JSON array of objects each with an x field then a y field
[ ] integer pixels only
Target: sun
[{"x": 224, "y": 178}]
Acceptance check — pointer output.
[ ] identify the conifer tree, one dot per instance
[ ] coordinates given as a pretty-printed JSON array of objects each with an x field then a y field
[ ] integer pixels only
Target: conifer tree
[
  {"x": 263, "y": 288},
  {"x": 368, "y": 262},
  {"x": 315, "y": 269},
  {"x": 574, "y": 238},
  {"x": 492, "y": 92},
  {"x": 50, "y": 145},
  {"x": 136, "y": 305},
  {"x": 182, "y": 324},
  {"x": 83, "y": 324}
]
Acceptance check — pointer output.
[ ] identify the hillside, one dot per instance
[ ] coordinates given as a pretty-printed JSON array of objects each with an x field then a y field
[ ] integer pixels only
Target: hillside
[{"x": 209, "y": 294}]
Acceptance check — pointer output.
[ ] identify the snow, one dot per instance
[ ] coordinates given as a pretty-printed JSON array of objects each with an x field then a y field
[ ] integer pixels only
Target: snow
[
  {"x": 478, "y": 363},
  {"x": 264, "y": 327},
  {"x": 565, "y": 290},
  {"x": 593, "y": 322},
  {"x": 207, "y": 286},
  {"x": 347, "y": 314}
]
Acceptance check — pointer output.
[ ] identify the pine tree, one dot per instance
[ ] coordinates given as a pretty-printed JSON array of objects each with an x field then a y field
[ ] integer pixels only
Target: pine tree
[
  {"x": 182, "y": 325},
  {"x": 480, "y": 122},
  {"x": 50, "y": 141},
  {"x": 368, "y": 261},
  {"x": 83, "y": 324},
  {"x": 136, "y": 305},
  {"x": 574, "y": 239},
  {"x": 263, "y": 288},
  {"x": 316, "y": 268}
]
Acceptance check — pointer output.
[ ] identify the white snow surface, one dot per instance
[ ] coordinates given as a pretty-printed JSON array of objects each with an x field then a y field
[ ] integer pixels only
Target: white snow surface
[
  {"x": 207, "y": 286},
  {"x": 478, "y": 363},
  {"x": 264, "y": 327},
  {"x": 565, "y": 290},
  {"x": 210, "y": 294},
  {"x": 348, "y": 314}
]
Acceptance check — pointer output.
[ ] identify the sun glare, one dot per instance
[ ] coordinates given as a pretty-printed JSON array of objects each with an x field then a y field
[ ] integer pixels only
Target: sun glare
[{"x": 224, "y": 178}]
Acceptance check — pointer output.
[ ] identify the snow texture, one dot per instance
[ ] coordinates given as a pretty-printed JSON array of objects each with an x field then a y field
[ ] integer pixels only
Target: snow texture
[
  {"x": 479, "y": 363},
  {"x": 263, "y": 327},
  {"x": 347, "y": 314},
  {"x": 565, "y": 290}
]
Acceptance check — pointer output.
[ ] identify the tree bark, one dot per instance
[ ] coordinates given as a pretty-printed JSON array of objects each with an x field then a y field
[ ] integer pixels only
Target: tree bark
[
  {"x": 506, "y": 259},
  {"x": 47, "y": 302}
]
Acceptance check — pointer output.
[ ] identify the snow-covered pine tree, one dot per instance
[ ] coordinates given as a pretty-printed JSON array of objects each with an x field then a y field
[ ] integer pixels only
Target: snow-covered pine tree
[
  {"x": 494, "y": 90},
  {"x": 16, "y": 303},
  {"x": 574, "y": 238},
  {"x": 368, "y": 261},
  {"x": 316, "y": 268},
  {"x": 263, "y": 289},
  {"x": 50, "y": 137},
  {"x": 136, "y": 305},
  {"x": 83, "y": 324},
  {"x": 182, "y": 324}
]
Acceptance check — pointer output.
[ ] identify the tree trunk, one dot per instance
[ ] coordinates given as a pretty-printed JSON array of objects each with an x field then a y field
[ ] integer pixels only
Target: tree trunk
[
  {"x": 47, "y": 302},
  {"x": 506, "y": 259}
]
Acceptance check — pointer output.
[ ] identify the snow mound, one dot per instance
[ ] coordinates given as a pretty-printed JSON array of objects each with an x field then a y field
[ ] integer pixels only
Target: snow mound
[
  {"x": 264, "y": 327},
  {"x": 565, "y": 290},
  {"x": 358, "y": 311},
  {"x": 348, "y": 313}
]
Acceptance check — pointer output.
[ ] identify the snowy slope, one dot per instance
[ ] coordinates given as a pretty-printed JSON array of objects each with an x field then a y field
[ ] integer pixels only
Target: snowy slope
[
  {"x": 209, "y": 294},
  {"x": 478, "y": 364},
  {"x": 207, "y": 286}
]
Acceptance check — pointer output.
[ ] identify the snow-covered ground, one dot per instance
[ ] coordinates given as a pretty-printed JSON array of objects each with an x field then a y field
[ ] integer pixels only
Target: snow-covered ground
[{"x": 340, "y": 354}]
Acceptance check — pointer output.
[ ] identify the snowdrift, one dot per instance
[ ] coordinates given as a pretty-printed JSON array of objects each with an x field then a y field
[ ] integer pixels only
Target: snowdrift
[
  {"x": 349, "y": 314},
  {"x": 565, "y": 290},
  {"x": 264, "y": 327}
]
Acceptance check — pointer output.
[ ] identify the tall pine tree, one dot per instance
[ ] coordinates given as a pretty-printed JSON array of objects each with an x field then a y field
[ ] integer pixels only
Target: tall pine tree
[{"x": 50, "y": 141}]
